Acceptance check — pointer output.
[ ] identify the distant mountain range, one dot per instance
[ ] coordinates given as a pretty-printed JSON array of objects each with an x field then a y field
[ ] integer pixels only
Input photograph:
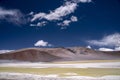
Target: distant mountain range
[{"x": 59, "y": 54}]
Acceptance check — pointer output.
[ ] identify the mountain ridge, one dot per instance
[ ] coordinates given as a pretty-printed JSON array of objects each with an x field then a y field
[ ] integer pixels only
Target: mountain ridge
[{"x": 59, "y": 54}]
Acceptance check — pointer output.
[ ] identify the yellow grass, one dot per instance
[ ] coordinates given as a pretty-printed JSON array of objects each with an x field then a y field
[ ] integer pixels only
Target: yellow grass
[
  {"x": 94, "y": 72},
  {"x": 85, "y": 61}
]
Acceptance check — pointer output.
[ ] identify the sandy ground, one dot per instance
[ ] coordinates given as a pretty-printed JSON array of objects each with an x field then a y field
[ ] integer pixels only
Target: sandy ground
[{"x": 48, "y": 65}]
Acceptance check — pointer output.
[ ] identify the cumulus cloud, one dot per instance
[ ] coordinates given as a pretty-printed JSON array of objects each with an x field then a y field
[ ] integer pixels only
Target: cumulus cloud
[
  {"x": 108, "y": 41},
  {"x": 59, "y": 13},
  {"x": 112, "y": 40},
  {"x": 12, "y": 15},
  {"x": 42, "y": 43}
]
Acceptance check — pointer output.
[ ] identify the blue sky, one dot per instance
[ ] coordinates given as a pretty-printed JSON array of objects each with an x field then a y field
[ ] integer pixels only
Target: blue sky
[{"x": 59, "y": 23}]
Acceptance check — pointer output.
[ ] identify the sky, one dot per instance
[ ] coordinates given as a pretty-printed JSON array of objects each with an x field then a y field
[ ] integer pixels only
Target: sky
[{"x": 59, "y": 23}]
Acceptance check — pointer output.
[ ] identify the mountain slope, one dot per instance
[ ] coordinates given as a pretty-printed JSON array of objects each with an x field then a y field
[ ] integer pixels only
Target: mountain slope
[{"x": 59, "y": 54}]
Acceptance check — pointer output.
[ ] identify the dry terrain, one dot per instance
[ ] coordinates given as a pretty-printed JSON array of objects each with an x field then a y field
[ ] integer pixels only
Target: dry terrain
[
  {"x": 76, "y": 63},
  {"x": 59, "y": 54}
]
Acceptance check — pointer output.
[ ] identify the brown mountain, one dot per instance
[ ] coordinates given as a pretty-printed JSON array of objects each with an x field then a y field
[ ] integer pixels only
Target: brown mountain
[{"x": 59, "y": 54}]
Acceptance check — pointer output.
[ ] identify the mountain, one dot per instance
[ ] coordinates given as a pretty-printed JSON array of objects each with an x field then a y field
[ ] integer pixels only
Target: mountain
[{"x": 59, "y": 54}]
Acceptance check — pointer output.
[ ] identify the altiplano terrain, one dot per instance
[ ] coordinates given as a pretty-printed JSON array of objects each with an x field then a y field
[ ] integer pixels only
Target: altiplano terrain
[
  {"x": 59, "y": 54},
  {"x": 74, "y": 63}
]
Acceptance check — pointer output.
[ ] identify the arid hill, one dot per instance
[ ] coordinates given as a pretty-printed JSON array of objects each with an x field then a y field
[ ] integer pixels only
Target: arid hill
[{"x": 59, "y": 54}]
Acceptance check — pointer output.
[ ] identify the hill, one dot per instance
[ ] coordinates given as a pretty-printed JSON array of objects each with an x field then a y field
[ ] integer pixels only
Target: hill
[{"x": 59, "y": 54}]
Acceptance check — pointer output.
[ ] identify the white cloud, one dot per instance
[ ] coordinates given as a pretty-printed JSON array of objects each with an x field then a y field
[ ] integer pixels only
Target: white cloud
[
  {"x": 5, "y": 51},
  {"x": 39, "y": 24},
  {"x": 82, "y": 1},
  {"x": 74, "y": 19},
  {"x": 109, "y": 49},
  {"x": 33, "y": 25},
  {"x": 12, "y": 15},
  {"x": 31, "y": 13},
  {"x": 110, "y": 41},
  {"x": 89, "y": 47},
  {"x": 42, "y": 43},
  {"x": 117, "y": 49},
  {"x": 38, "y": 16},
  {"x": 67, "y": 22},
  {"x": 105, "y": 49},
  {"x": 59, "y": 13},
  {"x": 64, "y": 23}
]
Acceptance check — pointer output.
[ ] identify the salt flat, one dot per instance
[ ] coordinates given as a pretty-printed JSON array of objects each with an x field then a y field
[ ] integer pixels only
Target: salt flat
[
  {"x": 48, "y": 65},
  {"x": 101, "y": 70},
  {"x": 22, "y": 76}
]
